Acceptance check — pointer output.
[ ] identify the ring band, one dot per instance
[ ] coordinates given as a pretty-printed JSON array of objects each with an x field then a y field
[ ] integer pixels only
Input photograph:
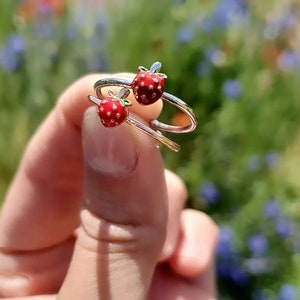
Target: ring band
[
  {"x": 155, "y": 124},
  {"x": 151, "y": 132}
]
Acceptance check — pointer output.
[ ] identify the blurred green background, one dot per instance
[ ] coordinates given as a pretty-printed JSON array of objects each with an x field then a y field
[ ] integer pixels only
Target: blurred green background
[{"x": 236, "y": 62}]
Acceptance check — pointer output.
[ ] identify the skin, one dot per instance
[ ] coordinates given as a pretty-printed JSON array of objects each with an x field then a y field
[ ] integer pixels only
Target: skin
[{"x": 92, "y": 214}]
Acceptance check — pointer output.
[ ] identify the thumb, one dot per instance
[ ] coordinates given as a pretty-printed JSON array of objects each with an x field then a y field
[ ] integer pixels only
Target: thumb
[{"x": 124, "y": 214}]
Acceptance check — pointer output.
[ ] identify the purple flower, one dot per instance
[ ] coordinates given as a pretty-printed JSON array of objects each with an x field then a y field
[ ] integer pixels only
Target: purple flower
[
  {"x": 45, "y": 8},
  {"x": 277, "y": 25},
  {"x": 227, "y": 11},
  {"x": 232, "y": 271},
  {"x": 210, "y": 52},
  {"x": 289, "y": 20},
  {"x": 232, "y": 88},
  {"x": 256, "y": 266},
  {"x": 215, "y": 56},
  {"x": 272, "y": 209},
  {"x": 185, "y": 35},
  {"x": 224, "y": 268},
  {"x": 239, "y": 276},
  {"x": 11, "y": 52},
  {"x": 258, "y": 244},
  {"x": 284, "y": 227},
  {"x": 16, "y": 43},
  {"x": 289, "y": 60},
  {"x": 228, "y": 259},
  {"x": 9, "y": 61},
  {"x": 225, "y": 246},
  {"x": 272, "y": 159},
  {"x": 288, "y": 292},
  {"x": 209, "y": 192}
]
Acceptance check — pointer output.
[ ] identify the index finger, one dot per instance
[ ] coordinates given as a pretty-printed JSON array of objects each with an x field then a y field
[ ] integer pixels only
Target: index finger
[{"x": 42, "y": 205}]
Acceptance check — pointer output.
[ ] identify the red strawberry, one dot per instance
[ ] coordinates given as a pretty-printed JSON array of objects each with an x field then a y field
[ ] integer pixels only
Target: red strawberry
[
  {"x": 113, "y": 110},
  {"x": 148, "y": 85}
]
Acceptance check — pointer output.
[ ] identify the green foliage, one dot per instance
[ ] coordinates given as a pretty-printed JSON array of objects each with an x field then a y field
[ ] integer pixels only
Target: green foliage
[{"x": 235, "y": 62}]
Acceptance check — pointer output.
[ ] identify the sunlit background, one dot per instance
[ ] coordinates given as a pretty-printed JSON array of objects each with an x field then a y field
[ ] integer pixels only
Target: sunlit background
[{"x": 236, "y": 62}]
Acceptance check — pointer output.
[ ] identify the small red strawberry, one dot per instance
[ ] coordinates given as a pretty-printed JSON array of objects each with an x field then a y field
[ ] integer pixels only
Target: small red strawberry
[
  {"x": 148, "y": 85},
  {"x": 113, "y": 109}
]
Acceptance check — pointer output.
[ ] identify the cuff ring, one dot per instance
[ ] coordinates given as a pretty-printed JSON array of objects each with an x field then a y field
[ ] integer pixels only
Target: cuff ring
[{"x": 147, "y": 87}]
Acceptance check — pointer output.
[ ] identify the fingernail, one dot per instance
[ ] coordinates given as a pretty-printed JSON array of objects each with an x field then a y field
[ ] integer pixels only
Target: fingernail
[{"x": 108, "y": 150}]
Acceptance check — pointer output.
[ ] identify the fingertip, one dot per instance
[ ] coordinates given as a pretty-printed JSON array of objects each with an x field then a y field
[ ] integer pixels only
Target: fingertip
[
  {"x": 177, "y": 195},
  {"x": 176, "y": 186},
  {"x": 194, "y": 254}
]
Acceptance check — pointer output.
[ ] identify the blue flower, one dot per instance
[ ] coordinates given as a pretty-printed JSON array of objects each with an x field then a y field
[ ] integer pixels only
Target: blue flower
[
  {"x": 227, "y": 11},
  {"x": 185, "y": 35},
  {"x": 225, "y": 247},
  {"x": 16, "y": 43},
  {"x": 257, "y": 266},
  {"x": 288, "y": 292},
  {"x": 239, "y": 276},
  {"x": 272, "y": 209},
  {"x": 209, "y": 192},
  {"x": 232, "y": 88},
  {"x": 258, "y": 244},
  {"x": 11, "y": 53},
  {"x": 284, "y": 227},
  {"x": 224, "y": 268},
  {"x": 210, "y": 52},
  {"x": 215, "y": 56},
  {"x": 289, "y": 20},
  {"x": 272, "y": 159},
  {"x": 280, "y": 24},
  {"x": 228, "y": 259},
  {"x": 232, "y": 271},
  {"x": 9, "y": 61},
  {"x": 289, "y": 60}
]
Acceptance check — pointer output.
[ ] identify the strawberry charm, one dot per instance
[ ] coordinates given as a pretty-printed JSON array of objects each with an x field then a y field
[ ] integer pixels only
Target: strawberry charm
[
  {"x": 148, "y": 85},
  {"x": 113, "y": 110}
]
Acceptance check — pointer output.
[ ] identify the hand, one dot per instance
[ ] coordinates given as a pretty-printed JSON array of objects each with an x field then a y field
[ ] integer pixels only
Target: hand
[{"x": 92, "y": 214}]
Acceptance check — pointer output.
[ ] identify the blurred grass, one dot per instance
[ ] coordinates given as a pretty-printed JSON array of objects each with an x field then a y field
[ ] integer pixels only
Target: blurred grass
[{"x": 235, "y": 62}]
